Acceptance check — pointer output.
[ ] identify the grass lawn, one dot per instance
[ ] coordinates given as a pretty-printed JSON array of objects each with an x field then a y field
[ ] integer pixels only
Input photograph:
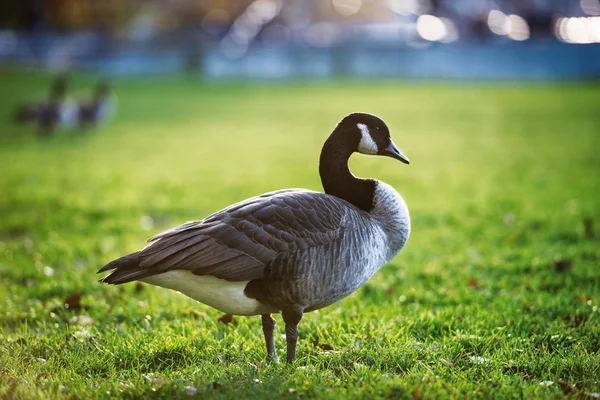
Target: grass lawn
[{"x": 496, "y": 294}]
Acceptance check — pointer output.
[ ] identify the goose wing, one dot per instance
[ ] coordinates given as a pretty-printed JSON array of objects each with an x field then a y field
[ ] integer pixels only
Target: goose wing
[{"x": 237, "y": 242}]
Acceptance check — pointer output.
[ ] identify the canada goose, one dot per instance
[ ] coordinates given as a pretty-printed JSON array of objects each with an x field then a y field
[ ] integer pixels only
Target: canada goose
[
  {"x": 289, "y": 251},
  {"x": 97, "y": 109},
  {"x": 30, "y": 111},
  {"x": 58, "y": 111}
]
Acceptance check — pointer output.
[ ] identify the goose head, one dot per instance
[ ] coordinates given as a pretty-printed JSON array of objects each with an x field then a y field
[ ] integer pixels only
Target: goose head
[{"x": 370, "y": 135}]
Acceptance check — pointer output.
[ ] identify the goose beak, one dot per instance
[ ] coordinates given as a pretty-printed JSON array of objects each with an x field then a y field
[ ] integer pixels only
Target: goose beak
[{"x": 392, "y": 151}]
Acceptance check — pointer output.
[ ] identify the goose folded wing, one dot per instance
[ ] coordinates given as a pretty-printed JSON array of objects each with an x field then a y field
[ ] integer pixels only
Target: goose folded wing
[{"x": 237, "y": 242}]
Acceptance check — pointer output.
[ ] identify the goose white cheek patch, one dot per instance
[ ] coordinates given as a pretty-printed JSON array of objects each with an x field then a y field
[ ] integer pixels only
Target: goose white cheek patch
[{"x": 367, "y": 145}]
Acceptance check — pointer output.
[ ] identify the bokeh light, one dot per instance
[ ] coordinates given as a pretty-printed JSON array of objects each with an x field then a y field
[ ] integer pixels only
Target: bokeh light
[
  {"x": 578, "y": 30},
  {"x": 219, "y": 39},
  {"x": 591, "y": 7},
  {"x": 431, "y": 28}
]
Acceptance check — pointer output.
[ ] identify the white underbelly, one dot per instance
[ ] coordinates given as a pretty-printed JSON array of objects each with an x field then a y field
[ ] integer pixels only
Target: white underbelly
[{"x": 218, "y": 293}]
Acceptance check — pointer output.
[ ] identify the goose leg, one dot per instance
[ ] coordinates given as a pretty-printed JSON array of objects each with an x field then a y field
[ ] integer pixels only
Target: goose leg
[
  {"x": 291, "y": 319},
  {"x": 268, "y": 324}
]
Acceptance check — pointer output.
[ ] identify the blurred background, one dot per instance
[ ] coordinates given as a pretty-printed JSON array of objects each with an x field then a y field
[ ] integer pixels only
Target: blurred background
[{"x": 275, "y": 39}]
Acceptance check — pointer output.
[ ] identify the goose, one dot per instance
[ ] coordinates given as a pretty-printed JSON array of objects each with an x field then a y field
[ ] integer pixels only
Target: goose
[
  {"x": 30, "y": 111},
  {"x": 96, "y": 110},
  {"x": 290, "y": 251},
  {"x": 58, "y": 111}
]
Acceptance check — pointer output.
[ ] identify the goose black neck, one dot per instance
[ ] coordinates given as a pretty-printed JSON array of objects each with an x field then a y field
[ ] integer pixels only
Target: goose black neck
[{"x": 336, "y": 177}]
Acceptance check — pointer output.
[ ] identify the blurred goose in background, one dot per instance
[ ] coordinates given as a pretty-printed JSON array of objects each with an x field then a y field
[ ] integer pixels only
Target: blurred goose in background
[
  {"x": 98, "y": 109},
  {"x": 58, "y": 111},
  {"x": 290, "y": 251},
  {"x": 30, "y": 111}
]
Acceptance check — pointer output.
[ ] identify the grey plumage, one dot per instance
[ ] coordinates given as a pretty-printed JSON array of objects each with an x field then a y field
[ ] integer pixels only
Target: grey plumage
[
  {"x": 292, "y": 250},
  {"x": 238, "y": 242}
]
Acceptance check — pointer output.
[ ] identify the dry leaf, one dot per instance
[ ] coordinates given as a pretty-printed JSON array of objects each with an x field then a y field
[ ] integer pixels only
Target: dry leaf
[
  {"x": 226, "y": 319},
  {"x": 473, "y": 283},
  {"x": 417, "y": 393},
  {"x": 73, "y": 302},
  {"x": 12, "y": 384},
  {"x": 574, "y": 391},
  {"x": 563, "y": 265},
  {"x": 326, "y": 347}
]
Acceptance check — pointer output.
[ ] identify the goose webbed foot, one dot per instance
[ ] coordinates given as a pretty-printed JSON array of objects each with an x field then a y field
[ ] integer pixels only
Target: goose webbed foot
[
  {"x": 291, "y": 319},
  {"x": 268, "y": 324}
]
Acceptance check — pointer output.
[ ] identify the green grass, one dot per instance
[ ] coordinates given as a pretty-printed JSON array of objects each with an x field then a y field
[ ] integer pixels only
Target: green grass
[{"x": 496, "y": 291}]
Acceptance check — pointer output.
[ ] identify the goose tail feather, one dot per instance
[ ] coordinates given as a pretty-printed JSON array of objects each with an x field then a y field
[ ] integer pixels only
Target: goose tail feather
[{"x": 125, "y": 269}]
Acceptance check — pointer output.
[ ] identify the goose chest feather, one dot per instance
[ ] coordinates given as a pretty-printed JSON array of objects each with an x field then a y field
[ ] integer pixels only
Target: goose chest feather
[{"x": 289, "y": 251}]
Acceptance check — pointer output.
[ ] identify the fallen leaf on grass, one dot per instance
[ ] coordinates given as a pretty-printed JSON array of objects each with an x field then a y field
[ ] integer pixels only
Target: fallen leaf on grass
[
  {"x": 73, "y": 302},
  {"x": 473, "y": 283},
  {"x": 563, "y": 265},
  {"x": 417, "y": 393},
  {"x": 323, "y": 346},
  {"x": 226, "y": 318},
  {"x": 574, "y": 391},
  {"x": 12, "y": 384}
]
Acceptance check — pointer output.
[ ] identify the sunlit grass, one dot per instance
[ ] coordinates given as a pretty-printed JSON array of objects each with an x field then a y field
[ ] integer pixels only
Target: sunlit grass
[{"x": 496, "y": 291}]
